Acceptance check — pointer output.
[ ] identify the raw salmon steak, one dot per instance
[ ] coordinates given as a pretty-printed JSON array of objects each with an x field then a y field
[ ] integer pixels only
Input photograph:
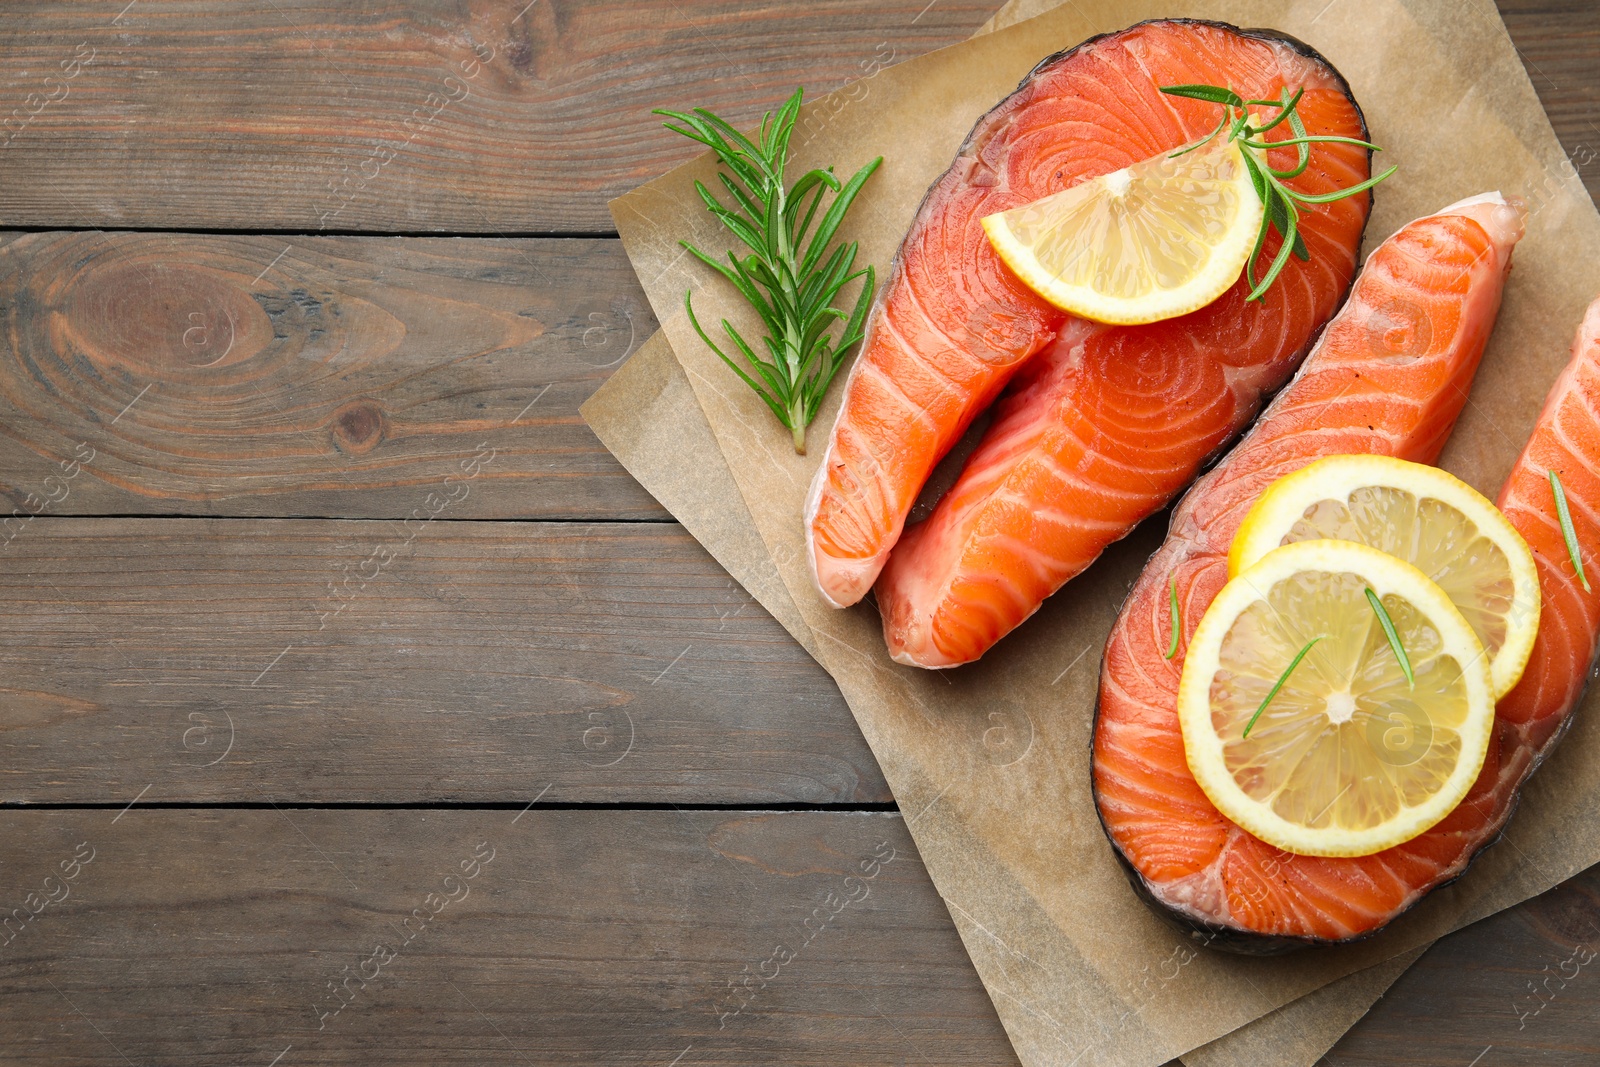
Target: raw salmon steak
[
  {"x": 953, "y": 324},
  {"x": 1388, "y": 377}
]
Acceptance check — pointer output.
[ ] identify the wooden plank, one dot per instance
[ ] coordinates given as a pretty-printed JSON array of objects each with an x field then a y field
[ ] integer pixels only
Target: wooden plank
[
  {"x": 234, "y": 936},
  {"x": 375, "y": 662},
  {"x": 568, "y": 937},
  {"x": 345, "y": 377},
  {"x": 307, "y": 114},
  {"x": 1559, "y": 41},
  {"x": 400, "y": 115}
]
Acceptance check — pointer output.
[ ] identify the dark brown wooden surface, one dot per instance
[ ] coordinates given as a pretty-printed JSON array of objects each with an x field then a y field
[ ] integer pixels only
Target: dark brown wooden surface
[
  {"x": 401, "y": 115},
  {"x": 343, "y": 377},
  {"x": 280, "y": 385},
  {"x": 207, "y": 936},
  {"x": 462, "y": 117},
  {"x": 381, "y": 662},
  {"x": 612, "y": 937}
]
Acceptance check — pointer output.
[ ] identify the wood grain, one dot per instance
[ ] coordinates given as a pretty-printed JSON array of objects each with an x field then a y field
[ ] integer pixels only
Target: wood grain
[
  {"x": 376, "y": 662},
  {"x": 224, "y": 937},
  {"x": 481, "y": 662},
  {"x": 344, "y": 377},
  {"x": 1559, "y": 41},
  {"x": 400, "y": 115},
  {"x": 306, "y": 114}
]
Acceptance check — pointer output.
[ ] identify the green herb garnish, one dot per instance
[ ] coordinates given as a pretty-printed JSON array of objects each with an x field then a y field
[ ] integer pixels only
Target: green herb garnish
[
  {"x": 1567, "y": 530},
  {"x": 1177, "y": 624},
  {"x": 1393, "y": 636},
  {"x": 1278, "y": 199},
  {"x": 791, "y": 289},
  {"x": 1284, "y": 677}
]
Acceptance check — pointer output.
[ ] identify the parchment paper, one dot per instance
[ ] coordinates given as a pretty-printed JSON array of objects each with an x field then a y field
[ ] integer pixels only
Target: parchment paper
[
  {"x": 990, "y": 763},
  {"x": 648, "y": 416}
]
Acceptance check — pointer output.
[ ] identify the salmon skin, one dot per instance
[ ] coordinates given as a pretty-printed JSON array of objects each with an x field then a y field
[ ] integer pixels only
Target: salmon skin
[
  {"x": 1389, "y": 377},
  {"x": 952, "y": 324}
]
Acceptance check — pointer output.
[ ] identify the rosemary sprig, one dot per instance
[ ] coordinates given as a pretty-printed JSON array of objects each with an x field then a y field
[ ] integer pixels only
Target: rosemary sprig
[
  {"x": 1284, "y": 677},
  {"x": 788, "y": 277},
  {"x": 1394, "y": 637},
  {"x": 1177, "y": 623},
  {"x": 1279, "y": 200},
  {"x": 1568, "y": 531}
]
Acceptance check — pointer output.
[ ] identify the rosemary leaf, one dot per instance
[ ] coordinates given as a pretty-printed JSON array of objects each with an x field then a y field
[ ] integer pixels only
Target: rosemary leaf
[
  {"x": 1284, "y": 677},
  {"x": 1291, "y": 235},
  {"x": 1212, "y": 93},
  {"x": 1177, "y": 623},
  {"x": 1394, "y": 637},
  {"x": 1290, "y": 141},
  {"x": 1568, "y": 531},
  {"x": 1286, "y": 109}
]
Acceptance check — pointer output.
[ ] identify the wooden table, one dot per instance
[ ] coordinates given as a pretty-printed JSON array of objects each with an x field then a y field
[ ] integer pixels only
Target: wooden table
[{"x": 357, "y": 706}]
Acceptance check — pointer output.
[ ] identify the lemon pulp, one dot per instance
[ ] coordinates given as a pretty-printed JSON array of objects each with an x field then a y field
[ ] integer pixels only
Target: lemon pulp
[
  {"x": 1155, "y": 240},
  {"x": 1422, "y": 515},
  {"x": 1348, "y": 757}
]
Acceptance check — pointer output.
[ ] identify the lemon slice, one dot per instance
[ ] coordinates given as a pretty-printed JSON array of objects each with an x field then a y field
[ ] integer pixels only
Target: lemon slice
[
  {"x": 1347, "y": 758},
  {"x": 1153, "y": 241},
  {"x": 1428, "y": 518}
]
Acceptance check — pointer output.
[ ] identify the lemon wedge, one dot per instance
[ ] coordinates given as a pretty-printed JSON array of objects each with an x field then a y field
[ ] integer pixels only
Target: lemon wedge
[
  {"x": 1153, "y": 241},
  {"x": 1425, "y": 516},
  {"x": 1298, "y": 718}
]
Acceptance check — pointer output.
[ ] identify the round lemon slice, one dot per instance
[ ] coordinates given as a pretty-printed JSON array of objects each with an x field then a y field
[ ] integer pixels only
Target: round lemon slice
[
  {"x": 1153, "y": 241},
  {"x": 1298, "y": 718},
  {"x": 1428, "y": 518}
]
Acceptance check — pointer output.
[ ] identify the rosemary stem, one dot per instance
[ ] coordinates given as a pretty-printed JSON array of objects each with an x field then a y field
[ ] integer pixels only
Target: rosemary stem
[
  {"x": 797, "y": 425},
  {"x": 1279, "y": 200}
]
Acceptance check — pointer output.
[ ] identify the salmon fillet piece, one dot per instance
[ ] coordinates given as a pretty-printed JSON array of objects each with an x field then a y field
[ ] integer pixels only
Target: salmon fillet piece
[
  {"x": 1389, "y": 377},
  {"x": 953, "y": 324},
  {"x": 1566, "y": 440}
]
